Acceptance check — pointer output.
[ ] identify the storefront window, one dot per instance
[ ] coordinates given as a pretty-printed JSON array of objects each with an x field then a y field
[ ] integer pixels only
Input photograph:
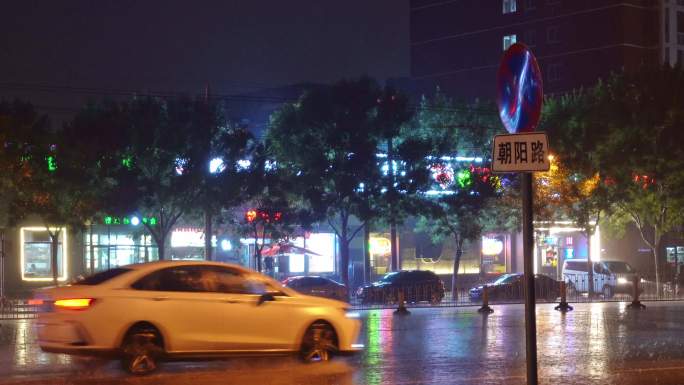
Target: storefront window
[
  {"x": 110, "y": 250},
  {"x": 675, "y": 254},
  {"x": 35, "y": 254}
]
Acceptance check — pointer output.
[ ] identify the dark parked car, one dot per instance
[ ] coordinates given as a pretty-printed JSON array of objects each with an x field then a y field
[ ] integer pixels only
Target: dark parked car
[
  {"x": 417, "y": 286},
  {"x": 318, "y": 286},
  {"x": 510, "y": 287}
]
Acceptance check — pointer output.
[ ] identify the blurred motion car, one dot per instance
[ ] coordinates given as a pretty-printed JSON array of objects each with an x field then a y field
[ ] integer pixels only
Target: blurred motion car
[
  {"x": 509, "y": 287},
  {"x": 318, "y": 286},
  {"x": 416, "y": 286},
  {"x": 147, "y": 313}
]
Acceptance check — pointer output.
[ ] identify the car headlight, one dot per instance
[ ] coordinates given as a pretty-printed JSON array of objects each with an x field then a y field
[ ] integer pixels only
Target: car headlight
[{"x": 622, "y": 281}]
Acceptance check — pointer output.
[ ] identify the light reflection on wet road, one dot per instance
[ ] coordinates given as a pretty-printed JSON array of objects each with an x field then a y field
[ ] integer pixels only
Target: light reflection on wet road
[{"x": 594, "y": 344}]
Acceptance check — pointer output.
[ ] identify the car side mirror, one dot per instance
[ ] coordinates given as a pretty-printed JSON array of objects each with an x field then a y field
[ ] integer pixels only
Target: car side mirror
[{"x": 264, "y": 298}]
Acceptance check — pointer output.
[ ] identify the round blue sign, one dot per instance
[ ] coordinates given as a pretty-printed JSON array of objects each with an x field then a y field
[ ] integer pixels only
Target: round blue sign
[{"x": 519, "y": 89}]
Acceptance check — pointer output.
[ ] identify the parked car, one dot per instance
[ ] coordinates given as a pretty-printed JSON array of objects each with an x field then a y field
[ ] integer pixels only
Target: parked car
[
  {"x": 184, "y": 309},
  {"x": 318, "y": 286},
  {"x": 509, "y": 287},
  {"x": 416, "y": 285},
  {"x": 610, "y": 277}
]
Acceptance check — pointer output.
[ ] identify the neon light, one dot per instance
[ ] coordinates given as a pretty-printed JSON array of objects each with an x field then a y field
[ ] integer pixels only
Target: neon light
[
  {"x": 22, "y": 257},
  {"x": 491, "y": 246},
  {"x": 379, "y": 246}
]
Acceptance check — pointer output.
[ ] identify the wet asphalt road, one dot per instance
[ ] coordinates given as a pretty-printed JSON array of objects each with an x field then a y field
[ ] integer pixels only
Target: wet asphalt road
[{"x": 594, "y": 344}]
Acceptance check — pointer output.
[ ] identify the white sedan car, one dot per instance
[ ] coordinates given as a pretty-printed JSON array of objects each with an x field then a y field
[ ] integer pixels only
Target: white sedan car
[{"x": 164, "y": 310}]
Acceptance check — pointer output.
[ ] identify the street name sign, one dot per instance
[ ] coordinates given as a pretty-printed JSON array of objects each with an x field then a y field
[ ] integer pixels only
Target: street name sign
[{"x": 524, "y": 152}]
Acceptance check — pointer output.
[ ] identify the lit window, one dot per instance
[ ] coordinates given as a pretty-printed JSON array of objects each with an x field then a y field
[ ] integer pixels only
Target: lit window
[
  {"x": 508, "y": 41},
  {"x": 509, "y": 6},
  {"x": 36, "y": 264}
]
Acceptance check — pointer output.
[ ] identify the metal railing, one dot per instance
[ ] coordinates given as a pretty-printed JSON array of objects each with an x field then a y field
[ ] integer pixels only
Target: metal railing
[
  {"x": 617, "y": 288},
  {"x": 17, "y": 309}
]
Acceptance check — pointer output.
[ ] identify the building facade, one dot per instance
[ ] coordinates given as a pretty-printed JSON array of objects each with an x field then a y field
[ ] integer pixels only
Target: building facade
[{"x": 457, "y": 44}]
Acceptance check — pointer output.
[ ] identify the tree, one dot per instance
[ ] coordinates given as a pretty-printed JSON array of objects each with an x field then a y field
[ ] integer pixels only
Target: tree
[
  {"x": 456, "y": 130},
  {"x": 574, "y": 188},
  {"x": 272, "y": 210},
  {"x": 328, "y": 142},
  {"x": 392, "y": 112},
  {"x": 55, "y": 182},
  {"x": 629, "y": 134},
  {"x": 157, "y": 174},
  {"x": 215, "y": 159}
]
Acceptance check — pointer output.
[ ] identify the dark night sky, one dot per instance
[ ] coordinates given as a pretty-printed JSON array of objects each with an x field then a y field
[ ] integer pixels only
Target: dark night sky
[{"x": 235, "y": 46}]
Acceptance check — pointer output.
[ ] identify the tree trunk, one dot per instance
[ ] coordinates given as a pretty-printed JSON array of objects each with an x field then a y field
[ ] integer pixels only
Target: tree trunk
[
  {"x": 344, "y": 261},
  {"x": 457, "y": 263},
  {"x": 257, "y": 255},
  {"x": 657, "y": 236},
  {"x": 393, "y": 246},
  {"x": 344, "y": 252},
  {"x": 92, "y": 251},
  {"x": 590, "y": 268},
  {"x": 366, "y": 254},
  {"x": 161, "y": 245},
  {"x": 54, "y": 251},
  {"x": 208, "y": 233}
]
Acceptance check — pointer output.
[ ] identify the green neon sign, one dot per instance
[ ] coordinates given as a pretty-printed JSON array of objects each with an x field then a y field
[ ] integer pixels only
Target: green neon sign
[{"x": 128, "y": 220}]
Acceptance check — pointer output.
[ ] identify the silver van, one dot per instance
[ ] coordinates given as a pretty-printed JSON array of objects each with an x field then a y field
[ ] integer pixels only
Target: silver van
[{"x": 610, "y": 277}]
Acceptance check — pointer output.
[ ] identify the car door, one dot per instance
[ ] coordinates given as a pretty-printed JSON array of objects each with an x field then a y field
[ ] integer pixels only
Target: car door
[
  {"x": 252, "y": 324},
  {"x": 178, "y": 301}
]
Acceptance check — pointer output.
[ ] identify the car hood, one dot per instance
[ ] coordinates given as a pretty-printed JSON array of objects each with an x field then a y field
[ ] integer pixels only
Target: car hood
[{"x": 321, "y": 301}]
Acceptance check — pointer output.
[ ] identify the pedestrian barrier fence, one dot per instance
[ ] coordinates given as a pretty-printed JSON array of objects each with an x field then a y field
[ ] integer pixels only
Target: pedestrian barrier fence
[{"x": 17, "y": 309}]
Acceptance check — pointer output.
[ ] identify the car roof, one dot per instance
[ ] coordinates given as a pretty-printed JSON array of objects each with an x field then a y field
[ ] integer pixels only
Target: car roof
[{"x": 151, "y": 266}]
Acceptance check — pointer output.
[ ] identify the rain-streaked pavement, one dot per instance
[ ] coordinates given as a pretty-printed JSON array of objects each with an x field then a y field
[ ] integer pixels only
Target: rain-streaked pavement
[{"x": 598, "y": 343}]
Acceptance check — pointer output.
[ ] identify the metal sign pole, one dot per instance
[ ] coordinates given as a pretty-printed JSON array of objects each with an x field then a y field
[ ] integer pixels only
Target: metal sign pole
[
  {"x": 2, "y": 266},
  {"x": 530, "y": 316}
]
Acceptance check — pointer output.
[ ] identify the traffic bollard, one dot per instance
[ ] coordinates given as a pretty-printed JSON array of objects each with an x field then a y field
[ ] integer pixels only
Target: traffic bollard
[
  {"x": 563, "y": 305},
  {"x": 401, "y": 310},
  {"x": 485, "y": 309},
  {"x": 636, "y": 304}
]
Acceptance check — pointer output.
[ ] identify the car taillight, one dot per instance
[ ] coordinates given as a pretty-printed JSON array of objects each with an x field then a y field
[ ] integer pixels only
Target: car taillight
[{"x": 74, "y": 303}]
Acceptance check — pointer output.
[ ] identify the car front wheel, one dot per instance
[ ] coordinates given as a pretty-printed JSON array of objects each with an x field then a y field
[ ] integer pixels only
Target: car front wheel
[
  {"x": 319, "y": 343},
  {"x": 142, "y": 349}
]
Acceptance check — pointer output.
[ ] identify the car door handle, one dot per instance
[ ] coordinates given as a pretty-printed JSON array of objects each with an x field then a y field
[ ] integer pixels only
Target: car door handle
[
  {"x": 230, "y": 301},
  {"x": 159, "y": 298}
]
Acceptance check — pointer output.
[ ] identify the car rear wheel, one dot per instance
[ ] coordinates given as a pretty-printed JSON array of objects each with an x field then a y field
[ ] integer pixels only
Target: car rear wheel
[
  {"x": 319, "y": 343},
  {"x": 142, "y": 348}
]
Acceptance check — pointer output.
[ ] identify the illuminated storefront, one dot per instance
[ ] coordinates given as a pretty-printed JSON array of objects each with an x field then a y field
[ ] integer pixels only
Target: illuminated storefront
[
  {"x": 35, "y": 260},
  {"x": 495, "y": 253},
  {"x": 558, "y": 242},
  {"x": 380, "y": 252},
  {"x": 107, "y": 247}
]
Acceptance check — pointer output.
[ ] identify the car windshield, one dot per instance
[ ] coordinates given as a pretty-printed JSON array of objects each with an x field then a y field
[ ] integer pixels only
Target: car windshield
[
  {"x": 102, "y": 276},
  {"x": 390, "y": 277},
  {"x": 505, "y": 279},
  {"x": 619, "y": 267}
]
